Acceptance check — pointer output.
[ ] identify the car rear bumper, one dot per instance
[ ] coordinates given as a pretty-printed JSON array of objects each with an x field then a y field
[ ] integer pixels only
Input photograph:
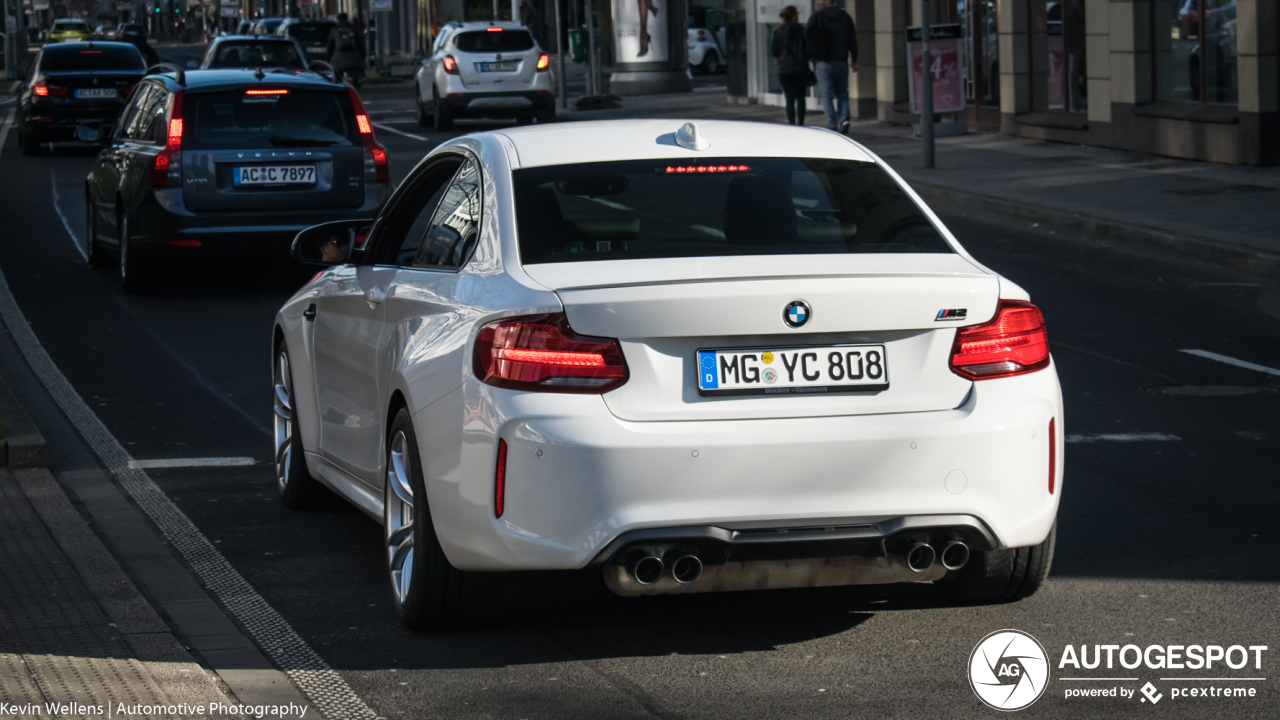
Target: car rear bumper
[
  {"x": 499, "y": 104},
  {"x": 578, "y": 479},
  {"x": 60, "y": 122}
]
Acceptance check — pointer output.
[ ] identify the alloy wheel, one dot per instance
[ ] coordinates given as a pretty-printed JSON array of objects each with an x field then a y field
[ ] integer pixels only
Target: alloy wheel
[
  {"x": 399, "y": 517},
  {"x": 283, "y": 406}
]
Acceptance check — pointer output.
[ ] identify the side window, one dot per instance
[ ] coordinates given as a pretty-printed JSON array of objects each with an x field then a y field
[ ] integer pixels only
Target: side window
[
  {"x": 157, "y": 129},
  {"x": 140, "y": 124},
  {"x": 456, "y": 223},
  {"x": 414, "y": 206},
  {"x": 442, "y": 39},
  {"x": 137, "y": 104}
]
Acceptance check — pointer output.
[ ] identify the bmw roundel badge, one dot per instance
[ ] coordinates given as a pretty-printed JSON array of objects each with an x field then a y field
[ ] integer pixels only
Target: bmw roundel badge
[{"x": 796, "y": 313}]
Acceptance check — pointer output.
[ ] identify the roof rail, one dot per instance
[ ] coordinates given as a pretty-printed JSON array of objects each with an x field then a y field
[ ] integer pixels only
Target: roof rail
[
  {"x": 324, "y": 70},
  {"x": 178, "y": 73}
]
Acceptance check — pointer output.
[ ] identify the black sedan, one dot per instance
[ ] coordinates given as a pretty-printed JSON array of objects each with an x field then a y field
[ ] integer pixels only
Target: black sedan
[{"x": 73, "y": 84}]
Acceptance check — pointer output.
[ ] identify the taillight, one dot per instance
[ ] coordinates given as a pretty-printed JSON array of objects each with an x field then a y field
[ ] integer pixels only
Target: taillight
[
  {"x": 1012, "y": 343},
  {"x": 450, "y": 65},
  {"x": 544, "y": 61},
  {"x": 1053, "y": 453},
  {"x": 167, "y": 169},
  {"x": 702, "y": 36},
  {"x": 376, "y": 168},
  {"x": 541, "y": 353},
  {"x": 43, "y": 89},
  {"x": 500, "y": 480}
]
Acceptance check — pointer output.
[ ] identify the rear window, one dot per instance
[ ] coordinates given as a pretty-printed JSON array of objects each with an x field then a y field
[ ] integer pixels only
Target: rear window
[
  {"x": 294, "y": 119},
  {"x": 311, "y": 32},
  {"x": 252, "y": 54},
  {"x": 486, "y": 42},
  {"x": 70, "y": 25},
  {"x": 715, "y": 207},
  {"x": 102, "y": 56}
]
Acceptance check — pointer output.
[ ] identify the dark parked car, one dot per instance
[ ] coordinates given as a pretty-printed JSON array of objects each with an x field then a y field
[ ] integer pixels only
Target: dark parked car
[
  {"x": 312, "y": 35},
  {"x": 235, "y": 51},
  {"x": 74, "y": 83},
  {"x": 232, "y": 162}
]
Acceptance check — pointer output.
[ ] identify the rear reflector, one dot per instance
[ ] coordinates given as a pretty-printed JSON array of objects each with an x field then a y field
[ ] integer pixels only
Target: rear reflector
[
  {"x": 1012, "y": 343},
  {"x": 540, "y": 353},
  {"x": 1053, "y": 452},
  {"x": 500, "y": 480}
]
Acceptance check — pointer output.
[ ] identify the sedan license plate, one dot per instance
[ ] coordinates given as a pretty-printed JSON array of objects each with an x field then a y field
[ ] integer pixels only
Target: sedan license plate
[
  {"x": 498, "y": 67},
  {"x": 274, "y": 175},
  {"x": 792, "y": 371},
  {"x": 97, "y": 93}
]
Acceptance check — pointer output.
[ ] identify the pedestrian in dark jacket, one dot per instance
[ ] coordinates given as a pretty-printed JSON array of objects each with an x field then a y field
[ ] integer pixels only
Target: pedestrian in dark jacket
[
  {"x": 793, "y": 63},
  {"x": 135, "y": 37},
  {"x": 346, "y": 50},
  {"x": 832, "y": 43}
]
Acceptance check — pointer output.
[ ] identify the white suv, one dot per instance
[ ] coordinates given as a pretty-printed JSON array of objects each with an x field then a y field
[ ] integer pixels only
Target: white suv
[{"x": 484, "y": 69}]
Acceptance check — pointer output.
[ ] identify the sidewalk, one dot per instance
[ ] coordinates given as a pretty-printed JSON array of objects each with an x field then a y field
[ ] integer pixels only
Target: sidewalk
[{"x": 1222, "y": 214}]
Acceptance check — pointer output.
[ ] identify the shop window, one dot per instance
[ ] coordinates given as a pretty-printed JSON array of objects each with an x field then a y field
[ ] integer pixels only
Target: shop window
[
  {"x": 1195, "y": 51},
  {"x": 1063, "y": 55}
]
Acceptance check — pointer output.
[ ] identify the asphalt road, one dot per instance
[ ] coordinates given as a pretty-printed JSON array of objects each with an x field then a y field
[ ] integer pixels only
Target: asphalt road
[{"x": 1169, "y": 541}]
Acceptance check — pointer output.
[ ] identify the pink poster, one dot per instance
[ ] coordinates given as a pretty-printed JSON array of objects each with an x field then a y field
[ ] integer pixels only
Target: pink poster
[
  {"x": 944, "y": 65},
  {"x": 1057, "y": 70}
]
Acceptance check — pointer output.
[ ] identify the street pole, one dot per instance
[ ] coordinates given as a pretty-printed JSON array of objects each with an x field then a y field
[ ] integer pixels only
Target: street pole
[
  {"x": 560, "y": 76},
  {"x": 926, "y": 103},
  {"x": 591, "y": 51},
  {"x": 495, "y": 10}
]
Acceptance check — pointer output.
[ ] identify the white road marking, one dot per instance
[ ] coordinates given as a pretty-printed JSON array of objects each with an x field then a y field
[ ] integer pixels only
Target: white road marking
[
  {"x": 6, "y": 101},
  {"x": 53, "y": 185},
  {"x": 4, "y": 129},
  {"x": 1232, "y": 361},
  {"x": 390, "y": 129},
  {"x": 306, "y": 669},
  {"x": 1122, "y": 437},
  {"x": 191, "y": 462}
]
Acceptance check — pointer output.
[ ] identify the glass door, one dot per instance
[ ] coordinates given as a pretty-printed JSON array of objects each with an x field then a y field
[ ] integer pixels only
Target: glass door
[{"x": 982, "y": 64}]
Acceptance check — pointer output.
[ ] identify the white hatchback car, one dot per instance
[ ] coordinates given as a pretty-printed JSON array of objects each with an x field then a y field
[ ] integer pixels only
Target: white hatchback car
[
  {"x": 702, "y": 357},
  {"x": 483, "y": 69}
]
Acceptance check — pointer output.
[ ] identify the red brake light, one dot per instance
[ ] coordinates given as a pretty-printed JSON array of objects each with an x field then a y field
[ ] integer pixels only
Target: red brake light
[
  {"x": 541, "y": 353},
  {"x": 1053, "y": 452},
  {"x": 40, "y": 89},
  {"x": 382, "y": 169},
  {"x": 90, "y": 52},
  {"x": 362, "y": 120},
  {"x": 277, "y": 91},
  {"x": 544, "y": 61},
  {"x": 500, "y": 480},
  {"x": 450, "y": 65},
  {"x": 702, "y": 36},
  {"x": 1012, "y": 343},
  {"x": 680, "y": 169},
  {"x": 494, "y": 29},
  {"x": 167, "y": 169},
  {"x": 43, "y": 89}
]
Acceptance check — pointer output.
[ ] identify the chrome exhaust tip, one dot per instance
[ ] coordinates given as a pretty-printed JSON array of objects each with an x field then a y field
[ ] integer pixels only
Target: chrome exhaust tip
[
  {"x": 686, "y": 569},
  {"x": 955, "y": 555},
  {"x": 647, "y": 570},
  {"x": 920, "y": 557}
]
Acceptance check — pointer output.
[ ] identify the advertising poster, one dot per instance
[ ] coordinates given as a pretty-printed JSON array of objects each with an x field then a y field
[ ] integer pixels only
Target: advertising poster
[
  {"x": 640, "y": 29},
  {"x": 944, "y": 63},
  {"x": 1057, "y": 68}
]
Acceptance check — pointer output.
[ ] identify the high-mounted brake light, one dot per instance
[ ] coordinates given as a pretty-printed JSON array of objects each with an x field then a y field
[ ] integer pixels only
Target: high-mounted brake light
[
  {"x": 695, "y": 169},
  {"x": 167, "y": 169},
  {"x": 1012, "y": 343},
  {"x": 450, "y": 65},
  {"x": 494, "y": 29},
  {"x": 274, "y": 91},
  {"x": 376, "y": 168},
  {"x": 90, "y": 52},
  {"x": 544, "y": 61},
  {"x": 541, "y": 353}
]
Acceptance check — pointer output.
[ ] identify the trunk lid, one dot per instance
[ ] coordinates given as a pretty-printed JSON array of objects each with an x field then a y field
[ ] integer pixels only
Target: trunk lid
[{"x": 663, "y": 311}]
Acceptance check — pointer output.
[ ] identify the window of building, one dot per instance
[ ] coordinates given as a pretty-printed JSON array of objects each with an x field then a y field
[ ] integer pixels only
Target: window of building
[
  {"x": 1195, "y": 51},
  {"x": 1058, "y": 38}
]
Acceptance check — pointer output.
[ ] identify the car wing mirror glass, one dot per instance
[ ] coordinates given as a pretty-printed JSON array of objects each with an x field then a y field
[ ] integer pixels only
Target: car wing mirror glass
[
  {"x": 331, "y": 243},
  {"x": 89, "y": 133},
  {"x": 191, "y": 64}
]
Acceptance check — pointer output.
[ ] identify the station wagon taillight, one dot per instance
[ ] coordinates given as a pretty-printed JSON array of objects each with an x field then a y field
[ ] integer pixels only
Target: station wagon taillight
[
  {"x": 541, "y": 353},
  {"x": 376, "y": 168},
  {"x": 1012, "y": 343},
  {"x": 167, "y": 168}
]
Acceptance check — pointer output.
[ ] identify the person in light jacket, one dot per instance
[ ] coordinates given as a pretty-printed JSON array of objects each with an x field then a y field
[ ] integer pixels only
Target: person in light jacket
[{"x": 793, "y": 65}]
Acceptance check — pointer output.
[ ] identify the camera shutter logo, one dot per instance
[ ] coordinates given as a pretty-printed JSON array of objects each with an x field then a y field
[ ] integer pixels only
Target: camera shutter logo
[{"x": 1008, "y": 670}]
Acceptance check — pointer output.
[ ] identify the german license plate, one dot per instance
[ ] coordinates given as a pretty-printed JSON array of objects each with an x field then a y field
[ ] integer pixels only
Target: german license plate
[
  {"x": 498, "y": 67},
  {"x": 316, "y": 50},
  {"x": 97, "y": 93},
  {"x": 792, "y": 371},
  {"x": 274, "y": 175}
]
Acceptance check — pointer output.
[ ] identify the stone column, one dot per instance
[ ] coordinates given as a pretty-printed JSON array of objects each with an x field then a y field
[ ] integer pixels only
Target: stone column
[
  {"x": 862, "y": 84},
  {"x": 1013, "y": 25},
  {"x": 1131, "y": 53},
  {"x": 1098, "y": 58},
  {"x": 1256, "y": 68},
  {"x": 890, "y": 21}
]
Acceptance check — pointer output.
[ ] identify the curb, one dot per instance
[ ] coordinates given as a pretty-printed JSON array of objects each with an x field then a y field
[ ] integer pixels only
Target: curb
[
  {"x": 21, "y": 445},
  {"x": 1190, "y": 247}
]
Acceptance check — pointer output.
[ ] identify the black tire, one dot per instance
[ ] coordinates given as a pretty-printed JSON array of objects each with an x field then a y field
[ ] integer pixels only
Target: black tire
[
  {"x": 298, "y": 490},
  {"x": 442, "y": 114},
  {"x": 134, "y": 273},
  {"x": 432, "y": 597},
  {"x": 710, "y": 64},
  {"x": 93, "y": 251},
  {"x": 1002, "y": 575},
  {"x": 425, "y": 119},
  {"x": 30, "y": 143}
]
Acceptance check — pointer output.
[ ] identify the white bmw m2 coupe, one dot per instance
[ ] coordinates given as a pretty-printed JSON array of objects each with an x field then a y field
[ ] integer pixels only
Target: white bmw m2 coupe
[{"x": 699, "y": 356}]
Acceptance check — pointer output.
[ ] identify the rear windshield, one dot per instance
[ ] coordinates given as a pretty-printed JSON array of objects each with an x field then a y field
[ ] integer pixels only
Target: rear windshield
[
  {"x": 256, "y": 53},
  {"x": 504, "y": 41},
  {"x": 715, "y": 207},
  {"x": 295, "y": 119},
  {"x": 70, "y": 25},
  {"x": 316, "y": 32},
  {"x": 102, "y": 56}
]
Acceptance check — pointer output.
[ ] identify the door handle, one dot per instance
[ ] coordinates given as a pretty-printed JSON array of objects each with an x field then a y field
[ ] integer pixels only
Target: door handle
[
  {"x": 374, "y": 296},
  {"x": 310, "y": 312}
]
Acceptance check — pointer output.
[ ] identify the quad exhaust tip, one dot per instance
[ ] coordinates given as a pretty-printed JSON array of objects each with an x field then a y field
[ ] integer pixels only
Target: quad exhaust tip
[
  {"x": 648, "y": 569},
  {"x": 955, "y": 555},
  {"x": 686, "y": 569},
  {"x": 920, "y": 557}
]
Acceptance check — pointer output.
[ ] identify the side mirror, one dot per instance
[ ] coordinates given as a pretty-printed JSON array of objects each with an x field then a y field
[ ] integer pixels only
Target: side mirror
[
  {"x": 89, "y": 133},
  {"x": 419, "y": 56},
  {"x": 330, "y": 243},
  {"x": 192, "y": 64}
]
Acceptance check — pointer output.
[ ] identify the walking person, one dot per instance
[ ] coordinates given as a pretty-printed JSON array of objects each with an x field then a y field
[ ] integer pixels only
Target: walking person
[
  {"x": 832, "y": 43},
  {"x": 346, "y": 50},
  {"x": 793, "y": 64}
]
